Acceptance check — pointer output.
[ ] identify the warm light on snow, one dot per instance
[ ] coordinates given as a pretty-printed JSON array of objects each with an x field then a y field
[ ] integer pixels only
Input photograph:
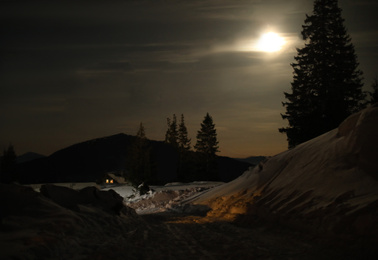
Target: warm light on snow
[{"x": 270, "y": 42}]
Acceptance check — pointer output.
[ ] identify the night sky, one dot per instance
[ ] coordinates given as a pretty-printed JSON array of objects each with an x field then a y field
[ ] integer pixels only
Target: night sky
[{"x": 70, "y": 72}]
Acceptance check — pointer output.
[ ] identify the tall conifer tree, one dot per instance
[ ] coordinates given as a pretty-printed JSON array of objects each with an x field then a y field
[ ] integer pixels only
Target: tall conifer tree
[
  {"x": 185, "y": 165},
  {"x": 207, "y": 147},
  {"x": 140, "y": 166},
  {"x": 207, "y": 142},
  {"x": 327, "y": 83},
  {"x": 374, "y": 94},
  {"x": 171, "y": 136},
  {"x": 183, "y": 139}
]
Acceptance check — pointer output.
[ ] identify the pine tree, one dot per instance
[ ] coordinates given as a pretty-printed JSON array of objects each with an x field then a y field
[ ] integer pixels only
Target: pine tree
[
  {"x": 207, "y": 142},
  {"x": 183, "y": 139},
  {"x": 207, "y": 147},
  {"x": 171, "y": 136},
  {"x": 327, "y": 85},
  {"x": 140, "y": 166},
  {"x": 374, "y": 94},
  {"x": 185, "y": 164},
  {"x": 141, "y": 134}
]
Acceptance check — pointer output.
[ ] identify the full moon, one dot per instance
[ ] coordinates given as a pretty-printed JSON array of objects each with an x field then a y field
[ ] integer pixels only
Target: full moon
[{"x": 270, "y": 42}]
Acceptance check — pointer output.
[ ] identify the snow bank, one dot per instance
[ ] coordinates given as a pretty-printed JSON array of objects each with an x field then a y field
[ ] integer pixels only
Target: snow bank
[
  {"x": 169, "y": 197},
  {"x": 329, "y": 183}
]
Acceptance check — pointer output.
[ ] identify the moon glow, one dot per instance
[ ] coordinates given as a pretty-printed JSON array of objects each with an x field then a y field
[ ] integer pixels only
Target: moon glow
[{"x": 270, "y": 42}]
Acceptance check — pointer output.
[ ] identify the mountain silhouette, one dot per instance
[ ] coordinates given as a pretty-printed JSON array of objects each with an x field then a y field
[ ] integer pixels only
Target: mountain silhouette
[
  {"x": 30, "y": 156},
  {"x": 90, "y": 160}
]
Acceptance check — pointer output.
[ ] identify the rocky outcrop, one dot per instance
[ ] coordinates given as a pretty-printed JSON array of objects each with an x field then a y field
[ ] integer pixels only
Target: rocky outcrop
[
  {"x": 108, "y": 201},
  {"x": 62, "y": 223}
]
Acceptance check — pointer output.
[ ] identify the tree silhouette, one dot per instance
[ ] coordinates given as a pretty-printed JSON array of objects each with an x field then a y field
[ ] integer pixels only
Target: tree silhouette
[
  {"x": 186, "y": 169},
  {"x": 183, "y": 139},
  {"x": 141, "y": 134},
  {"x": 207, "y": 142},
  {"x": 207, "y": 147},
  {"x": 171, "y": 136},
  {"x": 374, "y": 94},
  {"x": 140, "y": 166},
  {"x": 327, "y": 83}
]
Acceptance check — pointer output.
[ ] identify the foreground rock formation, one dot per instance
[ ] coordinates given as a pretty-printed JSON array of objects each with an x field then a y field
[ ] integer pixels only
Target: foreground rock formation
[{"x": 328, "y": 185}]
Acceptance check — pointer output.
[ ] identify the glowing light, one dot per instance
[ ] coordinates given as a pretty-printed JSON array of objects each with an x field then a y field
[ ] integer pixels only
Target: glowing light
[{"x": 270, "y": 42}]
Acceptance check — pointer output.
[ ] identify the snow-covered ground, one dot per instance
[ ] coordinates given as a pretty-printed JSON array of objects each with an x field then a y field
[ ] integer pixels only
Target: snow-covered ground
[
  {"x": 325, "y": 190},
  {"x": 329, "y": 184},
  {"x": 161, "y": 198},
  {"x": 36, "y": 226}
]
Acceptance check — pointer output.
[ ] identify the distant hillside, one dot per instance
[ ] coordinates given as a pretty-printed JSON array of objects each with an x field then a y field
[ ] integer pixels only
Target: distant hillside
[
  {"x": 90, "y": 160},
  {"x": 255, "y": 160},
  {"x": 30, "y": 156}
]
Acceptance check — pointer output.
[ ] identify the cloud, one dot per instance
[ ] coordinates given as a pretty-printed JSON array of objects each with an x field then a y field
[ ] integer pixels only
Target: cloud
[
  {"x": 108, "y": 67},
  {"x": 85, "y": 70}
]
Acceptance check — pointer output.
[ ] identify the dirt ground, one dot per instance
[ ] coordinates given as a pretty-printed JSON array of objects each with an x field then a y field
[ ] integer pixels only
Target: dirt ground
[{"x": 175, "y": 236}]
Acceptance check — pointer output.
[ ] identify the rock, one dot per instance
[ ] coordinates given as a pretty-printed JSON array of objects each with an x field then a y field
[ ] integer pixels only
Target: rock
[
  {"x": 108, "y": 201},
  {"x": 62, "y": 196}
]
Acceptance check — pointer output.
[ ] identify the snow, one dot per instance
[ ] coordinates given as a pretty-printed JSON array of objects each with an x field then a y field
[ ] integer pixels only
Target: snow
[
  {"x": 123, "y": 190},
  {"x": 328, "y": 185},
  {"x": 161, "y": 198},
  {"x": 333, "y": 177},
  {"x": 336, "y": 169},
  {"x": 168, "y": 197}
]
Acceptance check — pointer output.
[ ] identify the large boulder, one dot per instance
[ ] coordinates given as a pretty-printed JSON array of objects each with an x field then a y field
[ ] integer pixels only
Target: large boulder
[{"x": 108, "y": 201}]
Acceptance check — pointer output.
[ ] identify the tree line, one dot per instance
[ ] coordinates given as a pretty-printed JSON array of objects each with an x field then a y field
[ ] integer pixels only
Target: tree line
[{"x": 194, "y": 163}]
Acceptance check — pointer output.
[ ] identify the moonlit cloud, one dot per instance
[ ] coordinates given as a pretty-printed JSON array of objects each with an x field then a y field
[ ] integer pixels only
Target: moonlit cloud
[{"x": 80, "y": 70}]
